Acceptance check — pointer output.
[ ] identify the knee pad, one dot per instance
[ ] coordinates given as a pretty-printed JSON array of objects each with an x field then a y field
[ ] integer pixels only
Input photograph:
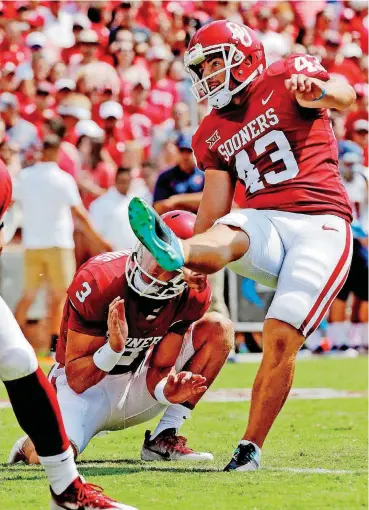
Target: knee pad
[{"x": 17, "y": 361}]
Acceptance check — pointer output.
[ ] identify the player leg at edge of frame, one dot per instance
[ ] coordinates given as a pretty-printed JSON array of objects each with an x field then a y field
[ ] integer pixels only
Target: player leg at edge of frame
[{"x": 32, "y": 395}]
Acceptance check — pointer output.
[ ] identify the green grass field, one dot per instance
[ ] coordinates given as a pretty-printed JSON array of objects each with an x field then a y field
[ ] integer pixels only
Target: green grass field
[{"x": 308, "y": 435}]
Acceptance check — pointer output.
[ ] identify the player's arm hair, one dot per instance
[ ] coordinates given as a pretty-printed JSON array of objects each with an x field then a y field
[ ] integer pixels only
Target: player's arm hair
[
  {"x": 163, "y": 359},
  {"x": 338, "y": 95},
  {"x": 80, "y": 369},
  {"x": 216, "y": 200}
]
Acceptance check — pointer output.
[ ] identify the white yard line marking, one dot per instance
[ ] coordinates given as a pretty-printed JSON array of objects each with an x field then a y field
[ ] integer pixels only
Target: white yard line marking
[
  {"x": 244, "y": 394},
  {"x": 318, "y": 471}
]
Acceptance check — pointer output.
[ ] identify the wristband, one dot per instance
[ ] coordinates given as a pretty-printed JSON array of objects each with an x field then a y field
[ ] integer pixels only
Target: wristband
[
  {"x": 105, "y": 358},
  {"x": 323, "y": 94},
  {"x": 159, "y": 392}
]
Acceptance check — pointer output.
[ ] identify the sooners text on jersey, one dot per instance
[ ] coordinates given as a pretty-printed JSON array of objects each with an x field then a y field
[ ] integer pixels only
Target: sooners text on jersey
[
  {"x": 285, "y": 155},
  {"x": 98, "y": 282}
]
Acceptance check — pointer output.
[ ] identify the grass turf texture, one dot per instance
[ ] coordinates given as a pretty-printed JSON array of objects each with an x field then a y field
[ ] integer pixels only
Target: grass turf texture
[{"x": 308, "y": 434}]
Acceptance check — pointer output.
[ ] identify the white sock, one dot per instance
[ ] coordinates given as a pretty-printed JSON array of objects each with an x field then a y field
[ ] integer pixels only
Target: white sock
[
  {"x": 337, "y": 332},
  {"x": 313, "y": 341},
  {"x": 173, "y": 418},
  {"x": 245, "y": 442},
  {"x": 60, "y": 470}
]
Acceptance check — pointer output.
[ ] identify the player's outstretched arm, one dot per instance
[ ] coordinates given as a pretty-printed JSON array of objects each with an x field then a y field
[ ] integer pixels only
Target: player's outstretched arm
[{"x": 314, "y": 93}]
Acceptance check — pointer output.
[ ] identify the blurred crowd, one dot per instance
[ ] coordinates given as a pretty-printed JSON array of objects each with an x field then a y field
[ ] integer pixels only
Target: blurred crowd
[{"x": 107, "y": 80}]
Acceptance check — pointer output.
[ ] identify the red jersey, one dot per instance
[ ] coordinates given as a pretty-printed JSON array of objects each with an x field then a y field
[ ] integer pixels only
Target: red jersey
[
  {"x": 5, "y": 189},
  {"x": 102, "y": 279},
  {"x": 284, "y": 154}
]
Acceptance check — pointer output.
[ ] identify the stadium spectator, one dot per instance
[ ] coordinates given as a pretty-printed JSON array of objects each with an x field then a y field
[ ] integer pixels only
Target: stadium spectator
[
  {"x": 115, "y": 128},
  {"x": 88, "y": 45},
  {"x": 149, "y": 175},
  {"x": 49, "y": 198},
  {"x": 68, "y": 156},
  {"x": 97, "y": 171},
  {"x": 42, "y": 108},
  {"x": 180, "y": 187},
  {"x": 341, "y": 333},
  {"x": 9, "y": 154},
  {"x": 109, "y": 213},
  {"x": 72, "y": 109},
  {"x": 63, "y": 87},
  {"x": 18, "y": 130},
  {"x": 163, "y": 94},
  {"x": 96, "y": 176},
  {"x": 178, "y": 123},
  {"x": 360, "y": 136}
]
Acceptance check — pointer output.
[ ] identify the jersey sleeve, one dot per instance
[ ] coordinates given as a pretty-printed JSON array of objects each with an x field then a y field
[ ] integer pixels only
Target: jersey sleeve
[
  {"x": 308, "y": 65},
  {"x": 88, "y": 315},
  {"x": 202, "y": 144}
]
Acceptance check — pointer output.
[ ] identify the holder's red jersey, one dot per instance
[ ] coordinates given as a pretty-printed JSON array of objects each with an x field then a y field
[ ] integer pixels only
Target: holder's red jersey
[
  {"x": 285, "y": 155},
  {"x": 99, "y": 281},
  {"x": 5, "y": 189}
]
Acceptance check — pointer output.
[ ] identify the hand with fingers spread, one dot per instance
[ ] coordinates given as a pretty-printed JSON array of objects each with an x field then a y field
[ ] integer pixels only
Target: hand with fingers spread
[
  {"x": 183, "y": 386},
  {"x": 117, "y": 325},
  {"x": 305, "y": 87}
]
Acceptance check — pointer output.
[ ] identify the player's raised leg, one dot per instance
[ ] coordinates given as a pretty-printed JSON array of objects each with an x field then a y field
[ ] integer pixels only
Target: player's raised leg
[
  {"x": 204, "y": 352},
  {"x": 207, "y": 252}
]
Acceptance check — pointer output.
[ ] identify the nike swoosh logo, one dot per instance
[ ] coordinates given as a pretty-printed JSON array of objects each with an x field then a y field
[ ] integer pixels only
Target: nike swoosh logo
[
  {"x": 165, "y": 455},
  {"x": 264, "y": 101},
  {"x": 327, "y": 227}
]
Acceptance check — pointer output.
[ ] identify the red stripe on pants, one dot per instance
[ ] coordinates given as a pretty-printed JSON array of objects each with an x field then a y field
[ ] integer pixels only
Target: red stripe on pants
[
  {"x": 328, "y": 304},
  {"x": 331, "y": 280}
]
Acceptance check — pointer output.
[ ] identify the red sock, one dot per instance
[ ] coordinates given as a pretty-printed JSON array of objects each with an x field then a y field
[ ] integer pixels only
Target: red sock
[{"x": 37, "y": 410}]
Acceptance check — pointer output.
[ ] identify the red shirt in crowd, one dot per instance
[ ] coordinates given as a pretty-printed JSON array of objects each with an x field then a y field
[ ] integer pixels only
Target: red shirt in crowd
[
  {"x": 163, "y": 96},
  {"x": 103, "y": 175}
]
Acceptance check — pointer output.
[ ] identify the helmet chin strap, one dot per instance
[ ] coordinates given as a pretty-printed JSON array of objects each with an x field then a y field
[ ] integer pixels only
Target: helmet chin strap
[
  {"x": 220, "y": 99},
  {"x": 224, "y": 96}
]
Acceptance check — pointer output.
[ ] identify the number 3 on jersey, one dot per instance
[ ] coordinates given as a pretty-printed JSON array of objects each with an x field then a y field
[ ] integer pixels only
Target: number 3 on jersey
[
  {"x": 82, "y": 294},
  {"x": 250, "y": 175}
]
